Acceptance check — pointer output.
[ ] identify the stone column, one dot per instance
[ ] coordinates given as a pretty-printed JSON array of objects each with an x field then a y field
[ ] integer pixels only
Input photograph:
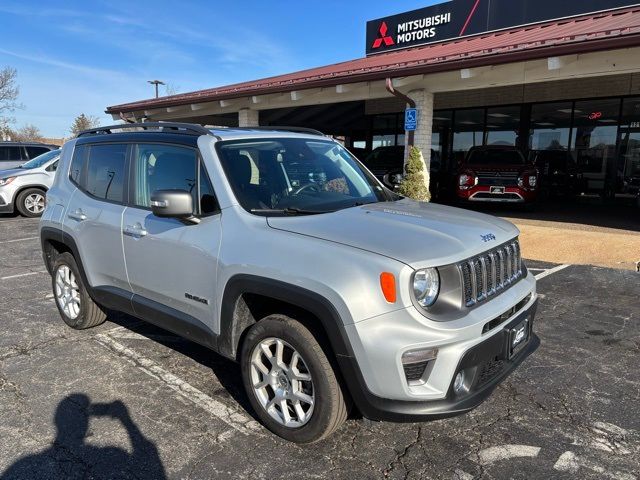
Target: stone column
[
  {"x": 248, "y": 118},
  {"x": 422, "y": 135}
]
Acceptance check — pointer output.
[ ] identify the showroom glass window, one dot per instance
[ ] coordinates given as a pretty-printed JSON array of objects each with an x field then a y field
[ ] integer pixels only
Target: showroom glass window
[
  {"x": 629, "y": 154},
  {"x": 440, "y": 135},
  {"x": 594, "y": 143},
  {"x": 106, "y": 171},
  {"x": 468, "y": 131},
  {"x": 387, "y": 130},
  {"x": 503, "y": 126},
  {"x": 551, "y": 126}
]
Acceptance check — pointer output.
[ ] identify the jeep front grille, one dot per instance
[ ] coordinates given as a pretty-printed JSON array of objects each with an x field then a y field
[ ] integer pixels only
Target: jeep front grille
[{"x": 490, "y": 272}]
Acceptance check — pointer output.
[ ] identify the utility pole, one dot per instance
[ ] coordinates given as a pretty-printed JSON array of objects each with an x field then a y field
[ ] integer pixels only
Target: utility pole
[{"x": 156, "y": 83}]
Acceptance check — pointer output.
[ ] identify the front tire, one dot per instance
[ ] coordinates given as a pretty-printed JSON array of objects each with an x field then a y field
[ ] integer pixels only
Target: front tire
[
  {"x": 76, "y": 307},
  {"x": 31, "y": 202},
  {"x": 290, "y": 381}
]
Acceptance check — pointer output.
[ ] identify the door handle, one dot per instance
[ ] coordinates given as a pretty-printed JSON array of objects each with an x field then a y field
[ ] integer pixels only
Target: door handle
[
  {"x": 135, "y": 231},
  {"x": 77, "y": 215}
]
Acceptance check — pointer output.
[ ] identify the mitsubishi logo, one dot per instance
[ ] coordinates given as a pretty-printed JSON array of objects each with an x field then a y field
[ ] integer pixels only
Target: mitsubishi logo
[{"x": 387, "y": 39}]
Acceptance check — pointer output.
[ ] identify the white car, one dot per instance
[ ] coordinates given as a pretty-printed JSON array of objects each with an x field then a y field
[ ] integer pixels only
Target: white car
[{"x": 24, "y": 188}]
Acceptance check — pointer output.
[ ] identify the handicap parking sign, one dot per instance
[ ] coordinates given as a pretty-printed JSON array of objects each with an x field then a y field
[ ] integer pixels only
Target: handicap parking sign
[{"x": 410, "y": 119}]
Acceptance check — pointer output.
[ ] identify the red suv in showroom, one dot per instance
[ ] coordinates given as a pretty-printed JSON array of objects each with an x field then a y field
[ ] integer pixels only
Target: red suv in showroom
[{"x": 497, "y": 174}]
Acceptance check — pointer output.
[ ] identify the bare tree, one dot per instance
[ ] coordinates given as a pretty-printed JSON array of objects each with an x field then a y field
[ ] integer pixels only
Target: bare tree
[
  {"x": 84, "y": 122},
  {"x": 28, "y": 133},
  {"x": 6, "y": 132},
  {"x": 8, "y": 93},
  {"x": 171, "y": 89}
]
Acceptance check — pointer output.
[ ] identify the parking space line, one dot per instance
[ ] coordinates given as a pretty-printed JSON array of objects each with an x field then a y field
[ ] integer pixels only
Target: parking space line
[
  {"x": 129, "y": 335},
  {"x": 19, "y": 240},
  {"x": 551, "y": 271},
  {"x": 228, "y": 415},
  {"x": 23, "y": 275},
  {"x": 506, "y": 452}
]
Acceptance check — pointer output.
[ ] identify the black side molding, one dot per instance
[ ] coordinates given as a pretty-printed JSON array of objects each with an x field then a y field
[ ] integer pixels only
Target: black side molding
[{"x": 174, "y": 321}]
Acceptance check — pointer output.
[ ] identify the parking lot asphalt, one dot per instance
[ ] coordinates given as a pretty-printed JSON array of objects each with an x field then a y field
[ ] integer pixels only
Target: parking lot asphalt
[{"x": 128, "y": 400}]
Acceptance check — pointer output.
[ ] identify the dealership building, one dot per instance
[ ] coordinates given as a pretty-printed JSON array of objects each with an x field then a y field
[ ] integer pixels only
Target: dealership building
[{"x": 539, "y": 75}]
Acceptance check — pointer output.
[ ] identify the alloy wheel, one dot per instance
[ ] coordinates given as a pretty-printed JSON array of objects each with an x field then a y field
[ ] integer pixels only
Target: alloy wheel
[
  {"x": 282, "y": 382},
  {"x": 34, "y": 203},
  {"x": 67, "y": 292}
]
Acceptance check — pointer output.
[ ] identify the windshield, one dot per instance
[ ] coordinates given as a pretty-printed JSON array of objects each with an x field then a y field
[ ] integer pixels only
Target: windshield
[
  {"x": 296, "y": 175},
  {"x": 40, "y": 160},
  {"x": 495, "y": 157}
]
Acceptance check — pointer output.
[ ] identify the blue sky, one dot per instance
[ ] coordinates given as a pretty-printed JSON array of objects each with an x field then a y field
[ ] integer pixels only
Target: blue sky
[{"x": 79, "y": 57}]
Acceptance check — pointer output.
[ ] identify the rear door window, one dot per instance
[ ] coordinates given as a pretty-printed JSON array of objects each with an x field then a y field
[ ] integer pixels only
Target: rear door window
[
  {"x": 77, "y": 165},
  {"x": 105, "y": 171}
]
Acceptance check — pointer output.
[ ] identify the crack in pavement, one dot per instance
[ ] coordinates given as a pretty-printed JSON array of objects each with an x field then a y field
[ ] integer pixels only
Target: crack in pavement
[
  {"x": 20, "y": 350},
  {"x": 398, "y": 460},
  {"x": 8, "y": 386}
]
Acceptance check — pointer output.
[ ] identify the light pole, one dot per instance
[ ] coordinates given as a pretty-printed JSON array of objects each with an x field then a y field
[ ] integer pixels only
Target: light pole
[{"x": 156, "y": 83}]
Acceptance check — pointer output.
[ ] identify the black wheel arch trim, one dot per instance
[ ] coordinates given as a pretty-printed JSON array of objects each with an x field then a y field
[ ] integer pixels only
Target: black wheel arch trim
[
  {"x": 312, "y": 302},
  {"x": 55, "y": 234},
  {"x": 294, "y": 295}
]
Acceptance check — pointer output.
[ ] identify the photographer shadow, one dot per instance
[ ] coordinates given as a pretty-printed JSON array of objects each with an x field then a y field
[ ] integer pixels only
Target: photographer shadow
[{"x": 70, "y": 457}]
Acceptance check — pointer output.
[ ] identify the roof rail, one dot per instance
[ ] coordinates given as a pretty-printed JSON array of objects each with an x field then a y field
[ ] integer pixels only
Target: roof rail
[
  {"x": 312, "y": 131},
  {"x": 174, "y": 127}
]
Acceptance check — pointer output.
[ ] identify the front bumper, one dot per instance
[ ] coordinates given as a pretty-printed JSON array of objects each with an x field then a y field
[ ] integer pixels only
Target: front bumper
[
  {"x": 376, "y": 379},
  {"x": 6, "y": 200},
  {"x": 510, "y": 194},
  {"x": 6, "y": 207}
]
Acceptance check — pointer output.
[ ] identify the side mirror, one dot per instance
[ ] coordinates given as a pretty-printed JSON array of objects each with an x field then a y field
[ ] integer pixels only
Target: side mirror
[{"x": 173, "y": 204}]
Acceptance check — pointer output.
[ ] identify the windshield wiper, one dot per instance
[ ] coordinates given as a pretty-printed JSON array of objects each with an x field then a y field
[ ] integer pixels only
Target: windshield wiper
[{"x": 290, "y": 211}]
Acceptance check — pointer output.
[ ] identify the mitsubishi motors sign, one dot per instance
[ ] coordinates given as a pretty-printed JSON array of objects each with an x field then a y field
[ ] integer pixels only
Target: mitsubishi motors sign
[{"x": 459, "y": 18}]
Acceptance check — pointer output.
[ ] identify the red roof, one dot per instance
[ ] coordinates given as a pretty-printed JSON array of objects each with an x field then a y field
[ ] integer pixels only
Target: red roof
[{"x": 595, "y": 32}]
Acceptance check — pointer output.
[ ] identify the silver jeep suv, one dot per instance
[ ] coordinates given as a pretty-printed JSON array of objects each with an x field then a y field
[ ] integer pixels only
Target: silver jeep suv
[{"x": 278, "y": 249}]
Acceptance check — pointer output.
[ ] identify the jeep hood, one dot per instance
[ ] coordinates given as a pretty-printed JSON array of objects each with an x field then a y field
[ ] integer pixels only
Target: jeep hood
[{"x": 417, "y": 234}]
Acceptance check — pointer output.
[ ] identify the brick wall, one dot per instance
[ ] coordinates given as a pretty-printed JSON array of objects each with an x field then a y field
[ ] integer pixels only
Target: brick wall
[
  {"x": 422, "y": 135},
  {"x": 248, "y": 118}
]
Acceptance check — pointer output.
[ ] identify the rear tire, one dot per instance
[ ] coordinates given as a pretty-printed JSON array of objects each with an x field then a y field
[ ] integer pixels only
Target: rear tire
[
  {"x": 301, "y": 402},
  {"x": 76, "y": 307},
  {"x": 31, "y": 202}
]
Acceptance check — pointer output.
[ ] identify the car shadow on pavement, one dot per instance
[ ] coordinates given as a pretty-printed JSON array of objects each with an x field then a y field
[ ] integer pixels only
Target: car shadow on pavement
[
  {"x": 226, "y": 371},
  {"x": 70, "y": 457}
]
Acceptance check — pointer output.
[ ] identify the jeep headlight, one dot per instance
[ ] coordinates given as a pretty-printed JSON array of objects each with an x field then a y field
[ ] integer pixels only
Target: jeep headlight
[
  {"x": 6, "y": 181},
  {"x": 426, "y": 286}
]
